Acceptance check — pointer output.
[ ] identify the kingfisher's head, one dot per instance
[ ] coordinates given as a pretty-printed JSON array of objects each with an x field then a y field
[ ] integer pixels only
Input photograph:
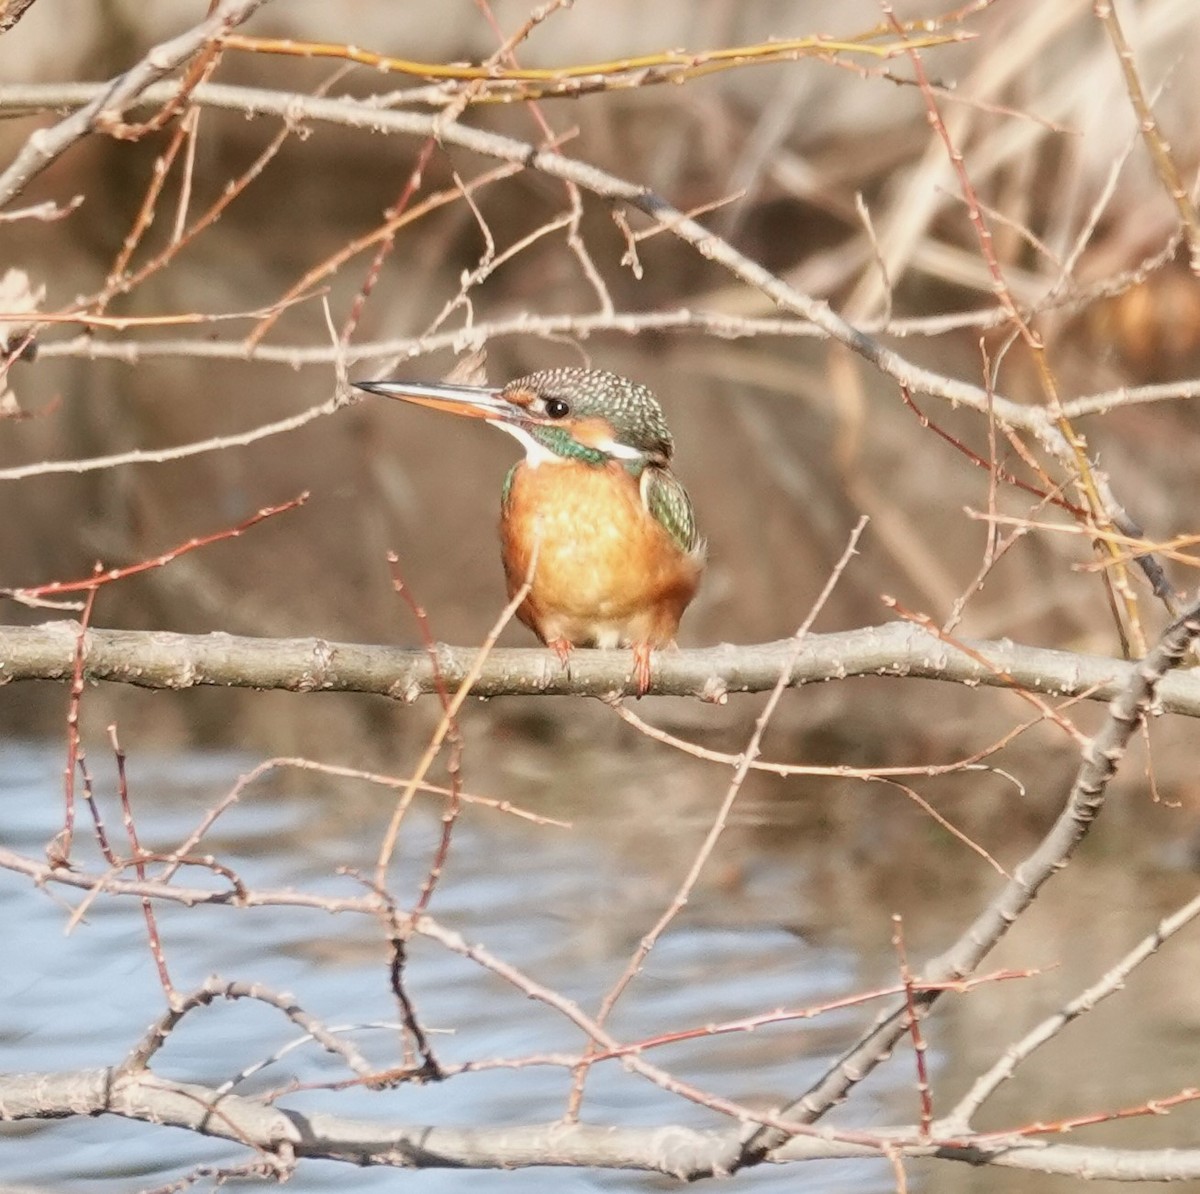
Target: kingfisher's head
[{"x": 587, "y": 415}]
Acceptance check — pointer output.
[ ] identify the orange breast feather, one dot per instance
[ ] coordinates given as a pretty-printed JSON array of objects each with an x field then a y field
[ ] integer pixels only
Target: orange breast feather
[{"x": 607, "y": 573}]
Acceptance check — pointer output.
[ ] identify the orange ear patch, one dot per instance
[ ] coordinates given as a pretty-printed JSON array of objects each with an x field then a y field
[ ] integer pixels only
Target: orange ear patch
[
  {"x": 595, "y": 432},
  {"x": 519, "y": 397}
]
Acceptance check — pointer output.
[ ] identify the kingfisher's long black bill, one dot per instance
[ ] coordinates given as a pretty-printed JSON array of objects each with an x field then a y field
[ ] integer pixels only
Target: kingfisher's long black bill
[{"x": 476, "y": 402}]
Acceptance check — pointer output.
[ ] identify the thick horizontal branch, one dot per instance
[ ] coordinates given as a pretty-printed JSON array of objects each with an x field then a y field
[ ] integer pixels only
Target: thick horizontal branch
[
  {"x": 157, "y": 659},
  {"x": 675, "y": 1150},
  {"x": 670, "y": 1149},
  {"x": 630, "y": 323}
]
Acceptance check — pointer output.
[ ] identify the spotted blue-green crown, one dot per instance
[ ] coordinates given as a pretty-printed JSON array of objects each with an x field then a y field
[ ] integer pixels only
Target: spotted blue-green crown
[{"x": 632, "y": 410}]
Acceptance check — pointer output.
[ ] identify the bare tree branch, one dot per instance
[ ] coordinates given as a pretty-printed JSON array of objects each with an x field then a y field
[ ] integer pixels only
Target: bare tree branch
[
  {"x": 1101, "y": 756},
  {"x": 159, "y": 659},
  {"x": 1112, "y": 982},
  {"x": 351, "y": 114},
  {"x": 679, "y": 1152},
  {"x": 11, "y": 11},
  {"x": 113, "y": 98}
]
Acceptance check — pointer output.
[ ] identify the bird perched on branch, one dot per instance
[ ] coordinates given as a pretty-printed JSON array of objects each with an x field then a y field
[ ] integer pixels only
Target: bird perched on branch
[{"x": 593, "y": 518}]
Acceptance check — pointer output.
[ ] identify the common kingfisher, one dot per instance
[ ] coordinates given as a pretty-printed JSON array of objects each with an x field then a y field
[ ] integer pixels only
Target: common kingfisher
[{"x": 593, "y": 518}]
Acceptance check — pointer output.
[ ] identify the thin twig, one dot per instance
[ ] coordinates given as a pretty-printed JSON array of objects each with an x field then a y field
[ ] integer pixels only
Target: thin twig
[
  {"x": 1101, "y": 757},
  {"x": 1156, "y": 143},
  {"x": 717, "y": 828}
]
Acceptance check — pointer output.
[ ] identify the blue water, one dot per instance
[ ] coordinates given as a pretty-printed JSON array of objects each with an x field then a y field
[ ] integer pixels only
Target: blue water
[{"x": 566, "y": 906}]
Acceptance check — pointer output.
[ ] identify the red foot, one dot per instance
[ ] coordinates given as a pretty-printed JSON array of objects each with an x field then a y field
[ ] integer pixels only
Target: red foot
[
  {"x": 641, "y": 667},
  {"x": 562, "y": 648}
]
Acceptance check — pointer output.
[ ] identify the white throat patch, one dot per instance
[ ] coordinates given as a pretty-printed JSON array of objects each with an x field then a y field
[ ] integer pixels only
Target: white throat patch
[
  {"x": 610, "y": 447},
  {"x": 537, "y": 454}
]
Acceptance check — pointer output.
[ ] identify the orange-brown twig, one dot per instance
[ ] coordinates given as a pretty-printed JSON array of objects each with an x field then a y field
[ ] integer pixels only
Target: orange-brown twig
[
  {"x": 1048, "y": 711},
  {"x": 139, "y": 862},
  {"x": 1156, "y": 143},
  {"x": 103, "y": 576},
  {"x": 505, "y": 84},
  {"x": 1076, "y": 445},
  {"x": 914, "y": 1027},
  {"x": 59, "y": 849}
]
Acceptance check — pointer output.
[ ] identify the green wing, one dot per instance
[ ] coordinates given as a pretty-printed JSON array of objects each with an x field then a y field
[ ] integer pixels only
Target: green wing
[
  {"x": 669, "y": 503},
  {"x": 508, "y": 484}
]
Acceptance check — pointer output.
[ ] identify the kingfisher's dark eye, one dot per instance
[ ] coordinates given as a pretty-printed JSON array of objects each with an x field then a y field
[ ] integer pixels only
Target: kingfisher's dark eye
[{"x": 556, "y": 408}]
